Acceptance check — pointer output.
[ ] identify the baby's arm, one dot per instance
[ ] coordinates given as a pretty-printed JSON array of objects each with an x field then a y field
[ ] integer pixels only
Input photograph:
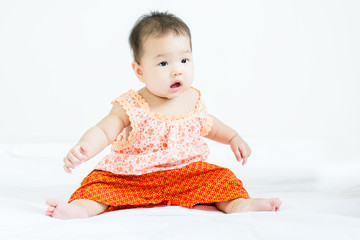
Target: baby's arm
[
  {"x": 97, "y": 138},
  {"x": 222, "y": 133}
]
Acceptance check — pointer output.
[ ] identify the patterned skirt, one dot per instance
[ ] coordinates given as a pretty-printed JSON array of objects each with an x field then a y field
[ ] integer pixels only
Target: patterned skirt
[{"x": 196, "y": 183}]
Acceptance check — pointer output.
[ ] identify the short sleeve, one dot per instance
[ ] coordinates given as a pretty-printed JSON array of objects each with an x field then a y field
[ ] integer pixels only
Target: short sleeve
[
  {"x": 122, "y": 142},
  {"x": 207, "y": 126}
]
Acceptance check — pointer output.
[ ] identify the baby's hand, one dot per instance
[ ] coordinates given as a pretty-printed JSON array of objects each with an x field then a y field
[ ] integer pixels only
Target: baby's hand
[
  {"x": 240, "y": 148},
  {"x": 75, "y": 157}
]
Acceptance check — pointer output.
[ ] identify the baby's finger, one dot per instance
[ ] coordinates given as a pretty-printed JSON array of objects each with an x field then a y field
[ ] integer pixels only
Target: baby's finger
[
  {"x": 67, "y": 169},
  {"x": 247, "y": 151},
  {"x": 76, "y": 153},
  {"x": 244, "y": 161},
  {"x": 244, "y": 155},
  {"x": 79, "y": 153},
  {"x": 73, "y": 159},
  {"x": 68, "y": 163},
  {"x": 237, "y": 154}
]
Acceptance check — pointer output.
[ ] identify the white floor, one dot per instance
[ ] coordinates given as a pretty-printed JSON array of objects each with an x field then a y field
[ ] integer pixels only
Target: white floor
[{"x": 321, "y": 197}]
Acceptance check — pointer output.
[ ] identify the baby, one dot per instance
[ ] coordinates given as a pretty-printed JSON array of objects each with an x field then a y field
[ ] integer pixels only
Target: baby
[{"x": 157, "y": 156}]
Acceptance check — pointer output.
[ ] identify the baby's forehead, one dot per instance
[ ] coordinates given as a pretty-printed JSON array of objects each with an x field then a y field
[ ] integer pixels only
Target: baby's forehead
[
  {"x": 158, "y": 37},
  {"x": 161, "y": 42}
]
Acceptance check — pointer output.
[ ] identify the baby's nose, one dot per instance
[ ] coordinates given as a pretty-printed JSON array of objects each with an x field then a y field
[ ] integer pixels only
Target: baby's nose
[{"x": 177, "y": 70}]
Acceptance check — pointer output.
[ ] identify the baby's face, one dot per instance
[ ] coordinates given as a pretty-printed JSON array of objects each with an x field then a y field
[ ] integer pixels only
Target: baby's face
[{"x": 166, "y": 66}]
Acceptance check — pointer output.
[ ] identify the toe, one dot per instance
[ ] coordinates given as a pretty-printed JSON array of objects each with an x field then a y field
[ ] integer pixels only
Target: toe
[
  {"x": 51, "y": 209},
  {"x": 52, "y": 202},
  {"x": 48, "y": 213},
  {"x": 277, "y": 203}
]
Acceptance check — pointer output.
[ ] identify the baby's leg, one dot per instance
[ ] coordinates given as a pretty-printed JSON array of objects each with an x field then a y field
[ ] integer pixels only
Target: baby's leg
[
  {"x": 247, "y": 205},
  {"x": 79, "y": 208}
]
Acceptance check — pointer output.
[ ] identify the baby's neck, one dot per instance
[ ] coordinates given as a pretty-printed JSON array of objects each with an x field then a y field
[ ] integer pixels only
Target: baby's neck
[
  {"x": 177, "y": 106},
  {"x": 152, "y": 99}
]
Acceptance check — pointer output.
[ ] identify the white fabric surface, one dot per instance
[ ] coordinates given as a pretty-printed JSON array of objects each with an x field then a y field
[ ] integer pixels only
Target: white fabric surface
[{"x": 321, "y": 198}]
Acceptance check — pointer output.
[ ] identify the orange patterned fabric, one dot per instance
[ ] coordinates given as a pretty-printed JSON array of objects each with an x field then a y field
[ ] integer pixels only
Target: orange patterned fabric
[
  {"x": 196, "y": 183},
  {"x": 157, "y": 142}
]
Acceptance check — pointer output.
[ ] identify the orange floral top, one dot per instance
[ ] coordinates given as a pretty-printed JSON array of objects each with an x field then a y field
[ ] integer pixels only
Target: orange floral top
[{"x": 155, "y": 142}]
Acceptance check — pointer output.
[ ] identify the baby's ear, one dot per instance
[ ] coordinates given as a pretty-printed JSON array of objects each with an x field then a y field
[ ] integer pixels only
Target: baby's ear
[{"x": 138, "y": 70}]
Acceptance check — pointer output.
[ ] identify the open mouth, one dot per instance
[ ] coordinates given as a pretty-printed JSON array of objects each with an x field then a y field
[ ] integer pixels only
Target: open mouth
[{"x": 175, "y": 85}]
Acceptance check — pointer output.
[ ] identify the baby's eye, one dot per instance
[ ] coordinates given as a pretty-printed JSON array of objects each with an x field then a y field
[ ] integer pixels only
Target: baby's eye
[
  {"x": 163, "y": 64},
  {"x": 184, "y": 60}
]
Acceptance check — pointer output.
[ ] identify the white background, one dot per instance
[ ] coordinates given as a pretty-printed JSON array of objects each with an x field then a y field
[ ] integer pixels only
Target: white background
[
  {"x": 270, "y": 69},
  {"x": 285, "y": 74}
]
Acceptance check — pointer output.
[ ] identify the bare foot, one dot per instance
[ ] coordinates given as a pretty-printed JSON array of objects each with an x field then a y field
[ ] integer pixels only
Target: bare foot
[
  {"x": 64, "y": 210},
  {"x": 249, "y": 205}
]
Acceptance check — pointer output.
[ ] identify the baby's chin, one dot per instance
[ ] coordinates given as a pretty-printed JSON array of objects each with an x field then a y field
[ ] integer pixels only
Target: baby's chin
[{"x": 171, "y": 92}]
